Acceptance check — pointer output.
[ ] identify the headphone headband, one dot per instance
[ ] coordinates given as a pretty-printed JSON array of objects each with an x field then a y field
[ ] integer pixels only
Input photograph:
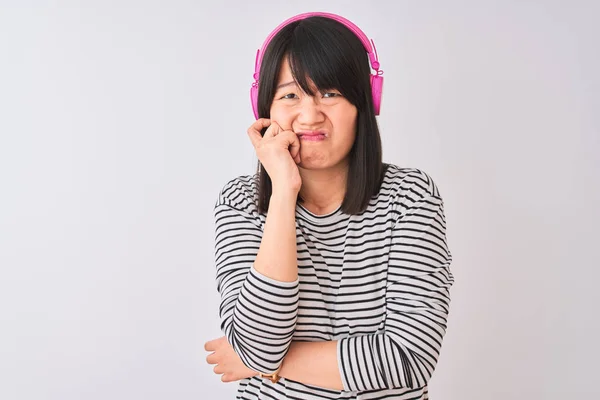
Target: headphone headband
[{"x": 369, "y": 46}]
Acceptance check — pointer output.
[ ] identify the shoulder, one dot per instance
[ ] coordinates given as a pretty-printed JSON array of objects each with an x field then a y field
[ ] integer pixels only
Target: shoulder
[
  {"x": 240, "y": 193},
  {"x": 415, "y": 180},
  {"x": 411, "y": 187}
]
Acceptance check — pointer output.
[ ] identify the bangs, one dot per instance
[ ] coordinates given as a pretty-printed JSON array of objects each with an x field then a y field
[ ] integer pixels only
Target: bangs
[{"x": 328, "y": 58}]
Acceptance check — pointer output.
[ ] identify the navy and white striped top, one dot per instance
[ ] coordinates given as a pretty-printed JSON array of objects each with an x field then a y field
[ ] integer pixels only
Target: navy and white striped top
[{"x": 378, "y": 282}]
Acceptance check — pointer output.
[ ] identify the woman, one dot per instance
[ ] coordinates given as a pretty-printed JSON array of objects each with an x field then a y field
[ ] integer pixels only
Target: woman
[{"x": 333, "y": 267}]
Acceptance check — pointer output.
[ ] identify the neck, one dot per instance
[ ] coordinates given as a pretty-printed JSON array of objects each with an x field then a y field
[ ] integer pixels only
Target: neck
[{"x": 323, "y": 190}]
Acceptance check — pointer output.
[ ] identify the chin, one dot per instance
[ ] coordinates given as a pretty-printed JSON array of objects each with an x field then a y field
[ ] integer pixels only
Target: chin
[
  {"x": 313, "y": 160},
  {"x": 312, "y": 165}
]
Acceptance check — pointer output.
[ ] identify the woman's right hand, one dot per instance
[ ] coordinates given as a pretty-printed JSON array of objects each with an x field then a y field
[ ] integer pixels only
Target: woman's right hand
[{"x": 279, "y": 153}]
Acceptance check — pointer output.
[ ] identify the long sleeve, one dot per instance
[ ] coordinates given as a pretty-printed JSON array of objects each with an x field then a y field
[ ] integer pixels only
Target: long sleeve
[
  {"x": 258, "y": 314},
  {"x": 417, "y": 300}
]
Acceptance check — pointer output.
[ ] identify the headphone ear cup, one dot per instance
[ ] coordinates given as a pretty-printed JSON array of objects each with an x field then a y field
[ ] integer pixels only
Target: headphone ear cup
[
  {"x": 376, "y": 91},
  {"x": 254, "y": 100}
]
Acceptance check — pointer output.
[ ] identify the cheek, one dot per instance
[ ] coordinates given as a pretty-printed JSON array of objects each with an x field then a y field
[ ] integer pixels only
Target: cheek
[
  {"x": 280, "y": 114},
  {"x": 347, "y": 125}
]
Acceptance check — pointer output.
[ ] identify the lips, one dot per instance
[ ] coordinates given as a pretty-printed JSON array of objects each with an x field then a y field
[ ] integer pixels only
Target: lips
[
  {"x": 312, "y": 138},
  {"x": 312, "y": 134}
]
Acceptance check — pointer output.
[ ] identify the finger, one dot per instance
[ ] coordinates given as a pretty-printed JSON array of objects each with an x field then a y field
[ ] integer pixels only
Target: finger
[
  {"x": 295, "y": 152},
  {"x": 255, "y": 128},
  {"x": 212, "y": 345},
  {"x": 218, "y": 369},
  {"x": 212, "y": 358},
  {"x": 273, "y": 130},
  {"x": 260, "y": 124},
  {"x": 293, "y": 144},
  {"x": 230, "y": 377}
]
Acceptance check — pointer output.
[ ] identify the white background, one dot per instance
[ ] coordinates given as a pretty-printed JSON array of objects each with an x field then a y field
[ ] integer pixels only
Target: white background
[{"x": 120, "y": 121}]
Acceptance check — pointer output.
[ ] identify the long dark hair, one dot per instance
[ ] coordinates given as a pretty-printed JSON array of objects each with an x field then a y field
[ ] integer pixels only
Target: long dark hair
[{"x": 328, "y": 53}]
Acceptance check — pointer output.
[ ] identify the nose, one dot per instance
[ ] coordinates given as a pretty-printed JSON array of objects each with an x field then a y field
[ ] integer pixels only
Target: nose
[{"x": 310, "y": 112}]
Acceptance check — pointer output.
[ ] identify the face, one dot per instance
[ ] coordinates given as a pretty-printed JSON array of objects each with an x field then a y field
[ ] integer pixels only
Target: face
[{"x": 329, "y": 113}]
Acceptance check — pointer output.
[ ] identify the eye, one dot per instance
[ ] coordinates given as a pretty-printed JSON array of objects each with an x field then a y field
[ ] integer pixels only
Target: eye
[
  {"x": 331, "y": 94},
  {"x": 289, "y": 96}
]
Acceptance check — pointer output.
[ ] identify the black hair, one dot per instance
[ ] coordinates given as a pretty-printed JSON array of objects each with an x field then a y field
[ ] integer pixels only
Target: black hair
[{"x": 333, "y": 57}]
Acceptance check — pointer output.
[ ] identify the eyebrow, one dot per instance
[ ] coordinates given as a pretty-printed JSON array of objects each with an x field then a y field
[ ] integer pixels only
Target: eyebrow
[{"x": 285, "y": 84}]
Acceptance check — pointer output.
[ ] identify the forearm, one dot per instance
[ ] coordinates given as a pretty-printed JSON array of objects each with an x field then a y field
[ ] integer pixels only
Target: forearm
[
  {"x": 277, "y": 255},
  {"x": 359, "y": 363},
  {"x": 263, "y": 315},
  {"x": 313, "y": 363}
]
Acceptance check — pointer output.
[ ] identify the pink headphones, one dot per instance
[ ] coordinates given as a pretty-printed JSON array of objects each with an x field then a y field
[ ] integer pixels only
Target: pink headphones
[{"x": 376, "y": 78}]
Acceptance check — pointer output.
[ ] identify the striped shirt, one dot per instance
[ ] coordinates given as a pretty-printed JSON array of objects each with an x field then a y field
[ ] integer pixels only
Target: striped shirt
[{"x": 378, "y": 283}]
